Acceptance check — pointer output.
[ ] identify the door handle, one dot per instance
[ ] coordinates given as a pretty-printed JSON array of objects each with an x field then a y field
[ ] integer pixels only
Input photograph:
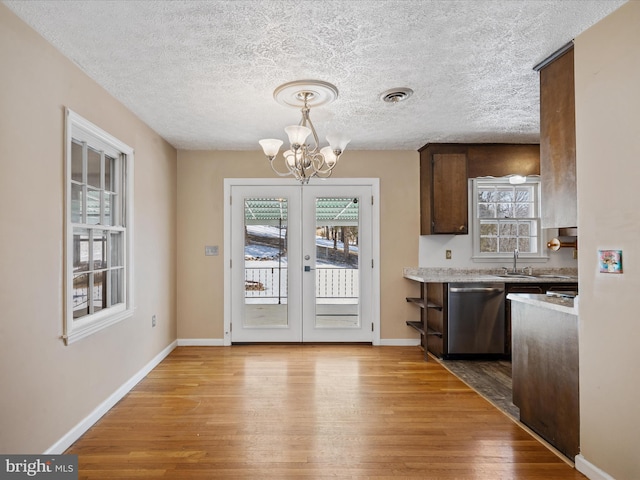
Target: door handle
[{"x": 307, "y": 268}]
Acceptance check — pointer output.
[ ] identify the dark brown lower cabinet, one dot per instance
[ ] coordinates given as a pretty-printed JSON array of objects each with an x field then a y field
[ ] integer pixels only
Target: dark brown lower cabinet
[{"x": 545, "y": 374}]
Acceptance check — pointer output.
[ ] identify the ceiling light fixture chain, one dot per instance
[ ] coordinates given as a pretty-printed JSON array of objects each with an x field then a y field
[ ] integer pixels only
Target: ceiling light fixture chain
[{"x": 305, "y": 160}]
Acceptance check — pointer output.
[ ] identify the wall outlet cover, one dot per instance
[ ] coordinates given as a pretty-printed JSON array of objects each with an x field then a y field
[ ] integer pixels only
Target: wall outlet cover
[{"x": 211, "y": 250}]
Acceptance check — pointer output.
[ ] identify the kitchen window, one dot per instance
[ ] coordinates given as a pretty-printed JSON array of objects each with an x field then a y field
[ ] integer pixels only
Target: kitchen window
[
  {"x": 506, "y": 217},
  {"x": 99, "y": 229}
]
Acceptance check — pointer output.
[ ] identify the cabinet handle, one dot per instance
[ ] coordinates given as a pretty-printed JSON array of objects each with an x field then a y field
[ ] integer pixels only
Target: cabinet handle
[
  {"x": 461, "y": 228},
  {"x": 475, "y": 290}
]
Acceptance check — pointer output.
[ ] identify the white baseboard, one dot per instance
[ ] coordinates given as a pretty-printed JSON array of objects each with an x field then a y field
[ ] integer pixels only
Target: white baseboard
[
  {"x": 76, "y": 432},
  {"x": 201, "y": 342},
  {"x": 399, "y": 342},
  {"x": 590, "y": 470},
  {"x": 219, "y": 342}
]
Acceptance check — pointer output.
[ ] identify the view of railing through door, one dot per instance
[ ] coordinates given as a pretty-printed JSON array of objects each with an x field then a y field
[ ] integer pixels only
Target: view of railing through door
[{"x": 336, "y": 267}]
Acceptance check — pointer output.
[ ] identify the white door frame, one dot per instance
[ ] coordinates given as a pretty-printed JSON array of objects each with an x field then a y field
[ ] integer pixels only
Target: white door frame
[{"x": 374, "y": 183}]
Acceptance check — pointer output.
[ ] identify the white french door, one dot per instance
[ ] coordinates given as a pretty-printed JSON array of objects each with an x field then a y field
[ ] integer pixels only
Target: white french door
[{"x": 302, "y": 263}]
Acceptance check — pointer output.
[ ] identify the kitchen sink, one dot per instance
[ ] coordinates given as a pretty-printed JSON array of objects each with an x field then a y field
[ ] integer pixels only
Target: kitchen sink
[
  {"x": 524, "y": 275},
  {"x": 514, "y": 275},
  {"x": 552, "y": 275}
]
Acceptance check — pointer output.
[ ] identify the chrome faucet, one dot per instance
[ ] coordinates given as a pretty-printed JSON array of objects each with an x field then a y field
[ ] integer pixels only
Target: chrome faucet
[{"x": 515, "y": 260}]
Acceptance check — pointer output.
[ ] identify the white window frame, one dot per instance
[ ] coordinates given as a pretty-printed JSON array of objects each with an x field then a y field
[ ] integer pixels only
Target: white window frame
[
  {"x": 82, "y": 130},
  {"x": 539, "y": 255}
]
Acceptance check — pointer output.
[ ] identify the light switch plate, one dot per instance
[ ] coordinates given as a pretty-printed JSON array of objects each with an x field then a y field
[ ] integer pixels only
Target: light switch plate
[{"x": 211, "y": 250}]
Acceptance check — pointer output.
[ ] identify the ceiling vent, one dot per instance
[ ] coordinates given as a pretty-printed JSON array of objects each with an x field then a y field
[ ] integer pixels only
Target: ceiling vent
[{"x": 396, "y": 95}]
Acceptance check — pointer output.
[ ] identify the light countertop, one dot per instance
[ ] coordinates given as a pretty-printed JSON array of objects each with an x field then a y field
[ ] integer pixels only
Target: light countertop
[
  {"x": 559, "y": 304},
  {"x": 455, "y": 275}
]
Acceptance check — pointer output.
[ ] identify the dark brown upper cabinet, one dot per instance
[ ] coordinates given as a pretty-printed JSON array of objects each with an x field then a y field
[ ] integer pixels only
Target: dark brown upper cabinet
[
  {"x": 445, "y": 169},
  {"x": 558, "y": 142}
]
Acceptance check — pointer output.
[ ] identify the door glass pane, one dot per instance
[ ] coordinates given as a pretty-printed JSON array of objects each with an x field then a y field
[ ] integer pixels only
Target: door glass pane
[
  {"x": 337, "y": 263},
  {"x": 265, "y": 262}
]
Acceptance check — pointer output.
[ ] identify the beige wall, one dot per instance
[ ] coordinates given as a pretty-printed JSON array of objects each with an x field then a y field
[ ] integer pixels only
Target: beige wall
[
  {"x": 607, "y": 67},
  {"x": 201, "y": 222},
  {"x": 47, "y": 387}
]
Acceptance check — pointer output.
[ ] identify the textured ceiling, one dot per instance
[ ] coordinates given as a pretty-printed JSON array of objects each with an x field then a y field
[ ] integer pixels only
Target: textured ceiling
[{"x": 202, "y": 73}]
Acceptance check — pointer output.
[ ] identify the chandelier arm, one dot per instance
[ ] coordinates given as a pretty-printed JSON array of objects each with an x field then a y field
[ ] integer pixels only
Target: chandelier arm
[
  {"x": 290, "y": 172},
  {"x": 318, "y": 163},
  {"x": 306, "y": 122}
]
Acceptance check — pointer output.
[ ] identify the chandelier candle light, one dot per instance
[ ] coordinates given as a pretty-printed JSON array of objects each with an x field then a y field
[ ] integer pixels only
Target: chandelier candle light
[{"x": 305, "y": 160}]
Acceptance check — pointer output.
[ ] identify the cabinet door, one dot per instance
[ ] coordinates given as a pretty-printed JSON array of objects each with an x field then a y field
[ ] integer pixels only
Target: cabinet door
[
  {"x": 449, "y": 199},
  {"x": 558, "y": 144}
]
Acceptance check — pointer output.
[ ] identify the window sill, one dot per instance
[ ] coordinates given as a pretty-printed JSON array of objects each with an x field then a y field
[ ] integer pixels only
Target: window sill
[
  {"x": 84, "y": 331},
  {"x": 509, "y": 259}
]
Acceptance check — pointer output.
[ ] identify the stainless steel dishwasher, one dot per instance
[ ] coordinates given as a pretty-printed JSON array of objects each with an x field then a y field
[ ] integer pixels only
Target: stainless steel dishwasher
[{"x": 476, "y": 319}]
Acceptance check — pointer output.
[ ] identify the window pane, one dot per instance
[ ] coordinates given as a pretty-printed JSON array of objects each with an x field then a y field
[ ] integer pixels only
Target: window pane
[
  {"x": 488, "y": 245},
  {"x": 80, "y": 295},
  {"x": 524, "y": 210},
  {"x": 117, "y": 291},
  {"x": 76, "y": 203},
  {"x": 524, "y": 245},
  {"x": 93, "y": 168},
  {"x": 507, "y": 244},
  {"x": 505, "y": 195},
  {"x": 524, "y": 194},
  {"x": 99, "y": 299},
  {"x": 508, "y": 229},
  {"x": 93, "y": 207},
  {"x": 76, "y": 162},
  {"x": 117, "y": 257},
  {"x": 265, "y": 265},
  {"x": 337, "y": 263},
  {"x": 487, "y": 195},
  {"x": 107, "y": 209},
  {"x": 108, "y": 169},
  {"x": 524, "y": 230},
  {"x": 80, "y": 250},
  {"x": 487, "y": 229},
  {"x": 505, "y": 210},
  {"x": 486, "y": 210},
  {"x": 99, "y": 249}
]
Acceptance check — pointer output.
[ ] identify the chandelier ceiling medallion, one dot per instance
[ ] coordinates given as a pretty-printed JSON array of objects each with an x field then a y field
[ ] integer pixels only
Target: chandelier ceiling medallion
[{"x": 304, "y": 158}]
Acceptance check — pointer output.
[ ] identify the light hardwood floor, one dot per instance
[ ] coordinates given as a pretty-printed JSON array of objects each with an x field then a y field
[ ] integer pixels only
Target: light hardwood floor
[{"x": 309, "y": 412}]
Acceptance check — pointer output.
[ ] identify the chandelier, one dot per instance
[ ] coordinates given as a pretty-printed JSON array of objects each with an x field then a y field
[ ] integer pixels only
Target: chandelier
[{"x": 304, "y": 158}]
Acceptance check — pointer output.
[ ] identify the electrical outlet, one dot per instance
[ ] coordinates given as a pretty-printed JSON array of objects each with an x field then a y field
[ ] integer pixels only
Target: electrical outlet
[
  {"x": 153, "y": 320},
  {"x": 447, "y": 254}
]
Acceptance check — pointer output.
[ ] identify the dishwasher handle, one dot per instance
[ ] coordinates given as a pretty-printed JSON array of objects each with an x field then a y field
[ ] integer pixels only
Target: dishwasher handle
[{"x": 475, "y": 290}]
